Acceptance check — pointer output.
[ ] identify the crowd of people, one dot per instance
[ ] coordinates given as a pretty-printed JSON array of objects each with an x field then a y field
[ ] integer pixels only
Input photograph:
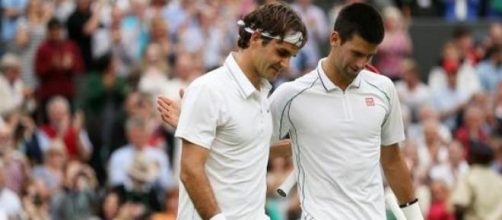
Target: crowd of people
[{"x": 80, "y": 136}]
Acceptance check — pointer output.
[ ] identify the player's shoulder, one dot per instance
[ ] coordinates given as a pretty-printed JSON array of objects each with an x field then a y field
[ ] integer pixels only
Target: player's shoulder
[
  {"x": 212, "y": 80},
  {"x": 376, "y": 79}
]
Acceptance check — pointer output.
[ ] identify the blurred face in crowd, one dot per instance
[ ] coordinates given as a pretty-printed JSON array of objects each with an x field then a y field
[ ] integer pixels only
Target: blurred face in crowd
[
  {"x": 12, "y": 73},
  {"x": 5, "y": 139},
  {"x": 111, "y": 206},
  {"x": 269, "y": 59},
  {"x": 55, "y": 34},
  {"x": 138, "y": 136},
  {"x": 84, "y": 4},
  {"x": 455, "y": 152},
  {"x": 351, "y": 56},
  {"x": 58, "y": 113}
]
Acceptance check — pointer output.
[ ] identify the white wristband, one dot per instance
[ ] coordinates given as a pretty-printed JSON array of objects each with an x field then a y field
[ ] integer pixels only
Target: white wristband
[
  {"x": 218, "y": 217},
  {"x": 412, "y": 212}
]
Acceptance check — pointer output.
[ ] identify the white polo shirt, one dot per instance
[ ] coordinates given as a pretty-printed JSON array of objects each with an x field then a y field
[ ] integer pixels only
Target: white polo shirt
[
  {"x": 223, "y": 112},
  {"x": 337, "y": 137}
]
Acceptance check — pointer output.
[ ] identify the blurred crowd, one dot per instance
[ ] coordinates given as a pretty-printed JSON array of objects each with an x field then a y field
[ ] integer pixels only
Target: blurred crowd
[{"x": 80, "y": 137}]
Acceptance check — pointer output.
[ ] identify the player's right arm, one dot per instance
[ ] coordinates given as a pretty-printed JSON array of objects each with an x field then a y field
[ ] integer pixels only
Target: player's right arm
[
  {"x": 197, "y": 124},
  {"x": 194, "y": 179}
]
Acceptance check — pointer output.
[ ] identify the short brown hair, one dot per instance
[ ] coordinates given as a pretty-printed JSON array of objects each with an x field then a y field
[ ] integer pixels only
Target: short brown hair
[{"x": 276, "y": 18}]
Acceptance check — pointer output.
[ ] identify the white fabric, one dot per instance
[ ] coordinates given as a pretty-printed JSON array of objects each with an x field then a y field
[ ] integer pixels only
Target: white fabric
[
  {"x": 412, "y": 212},
  {"x": 219, "y": 217},
  {"x": 337, "y": 137},
  {"x": 223, "y": 112},
  {"x": 11, "y": 96},
  {"x": 10, "y": 203}
]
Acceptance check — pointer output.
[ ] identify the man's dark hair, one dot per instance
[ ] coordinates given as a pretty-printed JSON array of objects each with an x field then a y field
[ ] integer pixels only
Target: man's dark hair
[
  {"x": 461, "y": 32},
  {"x": 361, "y": 19},
  {"x": 277, "y": 18},
  {"x": 54, "y": 23},
  {"x": 480, "y": 153},
  {"x": 102, "y": 63}
]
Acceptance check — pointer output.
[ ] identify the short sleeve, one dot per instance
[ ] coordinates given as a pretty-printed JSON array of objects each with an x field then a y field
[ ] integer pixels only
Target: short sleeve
[
  {"x": 393, "y": 128},
  {"x": 200, "y": 112},
  {"x": 279, "y": 108}
]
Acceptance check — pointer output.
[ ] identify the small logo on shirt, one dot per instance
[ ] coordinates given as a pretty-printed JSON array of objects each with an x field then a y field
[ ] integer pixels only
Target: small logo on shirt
[{"x": 370, "y": 101}]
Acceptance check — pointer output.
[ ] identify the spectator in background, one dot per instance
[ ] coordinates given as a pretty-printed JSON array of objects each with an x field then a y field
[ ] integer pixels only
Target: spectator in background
[
  {"x": 439, "y": 205},
  {"x": 108, "y": 39},
  {"x": 489, "y": 71},
  {"x": 155, "y": 71},
  {"x": 134, "y": 27},
  {"x": 110, "y": 206},
  {"x": 10, "y": 204},
  {"x": 57, "y": 62},
  {"x": 454, "y": 168},
  {"x": 159, "y": 34},
  {"x": 13, "y": 92},
  {"x": 396, "y": 45},
  {"x": 63, "y": 9},
  {"x": 82, "y": 24},
  {"x": 472, "y": 129},
  {"x": 317, "y": 29},
  {"x": 450, "y": 99},
  {"x": 477, "y": 195},
  {"x": 31, "y": 31},
  {"x": 78, "y": 199},
  {"x": 171, "y": 206},
  {"x": 451, "y": 61},
  {"x": 12, "y": 11},
  {"x": 35, "y": 200},
  {"x": 15, "y": 164},
  {"x": 102, "y": 97},
  {"x": 63, "y": 126},
  {"x": 51, "y": 172},
  {"x": 139, "y": 188},
  {"x": 138, "y": 133},
  {"x": 411, "y": 90}
]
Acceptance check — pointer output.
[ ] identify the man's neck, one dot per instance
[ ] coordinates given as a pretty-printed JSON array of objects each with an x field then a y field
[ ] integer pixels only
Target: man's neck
[
  {"x": 243, "y": 60},
  {"x": 333, "y": 75}
]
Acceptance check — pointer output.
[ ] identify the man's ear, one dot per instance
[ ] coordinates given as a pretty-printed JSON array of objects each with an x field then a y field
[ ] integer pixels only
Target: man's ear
[
  {"x": 334, "y": 39},
  {"x": 255, "y": 39}
]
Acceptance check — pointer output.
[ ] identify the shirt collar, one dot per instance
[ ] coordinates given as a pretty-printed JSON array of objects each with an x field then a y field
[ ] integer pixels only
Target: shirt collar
[
  {"x": 328, "y": 84},
  {"x": 245, "y": 86}
]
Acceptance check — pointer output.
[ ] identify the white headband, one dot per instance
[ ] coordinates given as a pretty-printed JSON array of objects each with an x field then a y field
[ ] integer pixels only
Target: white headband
[{"x": 295, "y": 38}]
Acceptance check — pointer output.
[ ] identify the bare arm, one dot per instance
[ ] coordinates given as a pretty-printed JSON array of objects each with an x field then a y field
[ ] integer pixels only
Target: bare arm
[
  {"x": 397, "y": 173},
  {"x": 194, "y": 178},
  {"x": 281, "y": 149}
]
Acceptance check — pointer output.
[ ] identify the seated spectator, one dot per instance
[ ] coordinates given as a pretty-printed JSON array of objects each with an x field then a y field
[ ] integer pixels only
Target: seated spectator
[
  {"x": 13, "y": 92},
  {"x": 10, "y": 204},
  {"x": 139, "y": 189},
  {"x": 439, "y": 206},
  {"x": 51, "y": 172},
  {"x": 477, "y": 195},
  {"x": 78, "y": 198},
  {"x": 171, "y": 206},
  {"x": 110, "y": 206},
  {"x": 138, "y": 133},
  {"x": 62, "y": 126},
  {"x": 15, "y": 164}
]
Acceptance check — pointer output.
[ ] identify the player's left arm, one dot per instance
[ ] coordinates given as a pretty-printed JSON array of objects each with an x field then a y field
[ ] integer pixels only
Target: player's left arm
[{"x": 399, "y": 178}]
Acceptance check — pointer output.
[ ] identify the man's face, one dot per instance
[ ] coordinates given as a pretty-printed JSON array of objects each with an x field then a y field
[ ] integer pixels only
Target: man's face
[
  {"x": 270, "y": 59},
  {"x": 55, "y": 34},
  {"x": 138, "y": 136},
  {"x": 59, "y": 113},
  {"x": 351, "y": 56}
]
